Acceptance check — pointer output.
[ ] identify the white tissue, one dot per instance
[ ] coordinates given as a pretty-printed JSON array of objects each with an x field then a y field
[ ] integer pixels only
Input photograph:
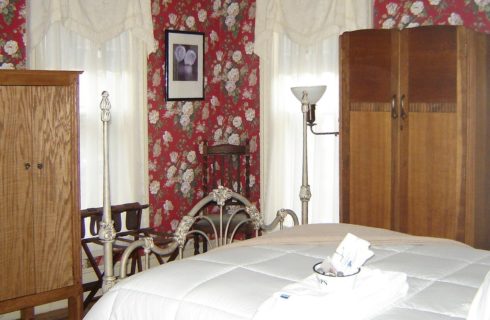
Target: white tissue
[{"x": 349, "y": 256}]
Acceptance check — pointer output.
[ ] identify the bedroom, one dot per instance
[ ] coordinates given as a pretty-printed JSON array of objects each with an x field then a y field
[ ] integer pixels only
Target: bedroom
[{"x": 164, "y": 145}]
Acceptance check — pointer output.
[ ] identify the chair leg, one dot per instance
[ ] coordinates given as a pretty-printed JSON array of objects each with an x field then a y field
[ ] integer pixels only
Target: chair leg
[
  {"x": 204, "y": 246},
  {"x": 90, "y": 297},
  {"x": 173, "y": 256},
  {"x": 93, "y": 287},
  {"x": 196, "y": 244},
  {"x": 160, "y": 260},
  {"x": 138, "y": 260},
  {"x": 135, "y": 262}
]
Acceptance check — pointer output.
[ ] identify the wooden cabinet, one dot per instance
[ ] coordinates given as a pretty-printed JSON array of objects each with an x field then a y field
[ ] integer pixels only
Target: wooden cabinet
[
  {"x": 39, "y": 190},
  {"x": 414, "y": 131}
]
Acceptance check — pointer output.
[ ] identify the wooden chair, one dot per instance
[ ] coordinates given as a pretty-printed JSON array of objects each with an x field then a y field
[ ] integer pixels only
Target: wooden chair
[
  {"x": 132, "y": 213},
  {"x": 224, "y": 165},
  {"x": 230, "y": 160}
]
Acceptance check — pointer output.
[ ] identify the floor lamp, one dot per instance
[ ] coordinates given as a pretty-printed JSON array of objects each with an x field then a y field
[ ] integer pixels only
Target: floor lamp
[{"x": 308, "y": 96}]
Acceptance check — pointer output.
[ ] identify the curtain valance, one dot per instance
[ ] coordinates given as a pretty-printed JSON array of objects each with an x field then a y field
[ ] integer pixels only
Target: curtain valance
[
  {"x": 307, "y": 22},
  {"x": 96, "y": 20}
]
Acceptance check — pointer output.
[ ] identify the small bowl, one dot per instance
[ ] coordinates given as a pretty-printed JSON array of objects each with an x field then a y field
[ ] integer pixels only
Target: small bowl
[{"x": 332, "y": 282}]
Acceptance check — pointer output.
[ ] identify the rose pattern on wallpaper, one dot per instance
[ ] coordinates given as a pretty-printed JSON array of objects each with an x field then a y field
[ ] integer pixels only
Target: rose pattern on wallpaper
[
  {"x": 228, "y": 114},
  {"x": 474, "y": 14},
  {"x": 12, "y": 34},
  {"x": 230, "y": 110}
]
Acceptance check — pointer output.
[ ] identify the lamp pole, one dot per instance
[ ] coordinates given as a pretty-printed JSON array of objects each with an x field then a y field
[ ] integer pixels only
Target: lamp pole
[
  {"x": 304, "y": 192},
  {"x": 308, "y": 96}
]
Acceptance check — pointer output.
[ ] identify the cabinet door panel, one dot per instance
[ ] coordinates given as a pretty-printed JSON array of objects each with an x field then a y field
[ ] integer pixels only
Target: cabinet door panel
[
  {"x": 371, "y": 170},
  {"x": 53, "y": 189},
  {"x": 431, "y": 61},
  {"x": 368, "y": 141},
  {"x": 432, "y": 184},
  {"x": 17, "y": 276},
  {"x": 370, "y": 63},
  {"x": 431, "y": 137}
]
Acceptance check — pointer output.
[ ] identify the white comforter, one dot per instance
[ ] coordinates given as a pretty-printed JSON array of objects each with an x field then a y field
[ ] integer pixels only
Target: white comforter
[{"x": 232, "y": 283}]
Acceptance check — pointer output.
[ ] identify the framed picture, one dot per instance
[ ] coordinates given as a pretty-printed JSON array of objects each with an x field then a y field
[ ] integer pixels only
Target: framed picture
[{"x": 184, "y": 72}]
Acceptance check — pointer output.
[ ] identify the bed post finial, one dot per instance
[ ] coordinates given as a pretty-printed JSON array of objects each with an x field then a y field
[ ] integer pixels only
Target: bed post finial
[{"x": 106, "y": 232}]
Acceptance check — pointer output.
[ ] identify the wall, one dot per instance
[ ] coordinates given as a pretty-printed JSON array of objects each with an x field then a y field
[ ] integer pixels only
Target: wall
[
  {"x": 12, "y": 34},
  {"x": 474, "y": 14},
  {"x": 229, "y": 113},
  {"x": 231, "y": 108}
]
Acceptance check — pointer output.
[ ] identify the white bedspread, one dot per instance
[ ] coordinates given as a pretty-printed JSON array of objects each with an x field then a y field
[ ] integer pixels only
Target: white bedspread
[
  {"x": 232, "y": 283},
  {"x": 480, "y": 307},
  {"x": 373, "y": 292}
]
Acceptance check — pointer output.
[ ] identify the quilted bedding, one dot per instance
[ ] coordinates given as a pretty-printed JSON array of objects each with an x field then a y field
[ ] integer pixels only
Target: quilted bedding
[{"x": 232, "y": 282}]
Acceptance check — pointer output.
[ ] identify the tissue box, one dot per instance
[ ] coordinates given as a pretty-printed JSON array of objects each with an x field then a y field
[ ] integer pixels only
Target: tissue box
[{"x": 333, "y": 282}]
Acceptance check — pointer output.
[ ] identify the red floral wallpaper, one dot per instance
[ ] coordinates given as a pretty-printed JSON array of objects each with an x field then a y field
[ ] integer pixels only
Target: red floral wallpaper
[
  {"x": 230, "y": 111},
  {"x": 474, "y": 14},
  {"x": 228, "y": 114},
  {"x": 12, "y": 34}
]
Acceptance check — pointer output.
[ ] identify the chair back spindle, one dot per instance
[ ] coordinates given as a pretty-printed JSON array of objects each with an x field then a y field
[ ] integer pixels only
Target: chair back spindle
[{"x": 226, "y": 165}]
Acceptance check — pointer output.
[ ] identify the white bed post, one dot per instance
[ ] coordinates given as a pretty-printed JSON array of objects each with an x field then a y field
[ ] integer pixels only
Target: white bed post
[{"x": 106, "y": 231}]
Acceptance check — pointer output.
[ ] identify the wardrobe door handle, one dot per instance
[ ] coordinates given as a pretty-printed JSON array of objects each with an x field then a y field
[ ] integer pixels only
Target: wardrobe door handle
[
  {"x": 394, "y": 114},
  {"x": 27, "y": 165},
  {"x": 403, "y": 114},
  {"x": 40, "y": 166}
]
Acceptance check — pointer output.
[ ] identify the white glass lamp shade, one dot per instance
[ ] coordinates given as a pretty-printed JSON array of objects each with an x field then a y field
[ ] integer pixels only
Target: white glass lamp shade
[{"x": 314, "y": 93}]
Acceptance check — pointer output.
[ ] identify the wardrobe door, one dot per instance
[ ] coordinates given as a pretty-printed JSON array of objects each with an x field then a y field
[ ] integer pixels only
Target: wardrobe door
[
  {"x": 431, "y": 132},
  {"x": 369, "y": 69},
  {"x": 53, "y": 188},
  {"x": 17, "y": 276}
]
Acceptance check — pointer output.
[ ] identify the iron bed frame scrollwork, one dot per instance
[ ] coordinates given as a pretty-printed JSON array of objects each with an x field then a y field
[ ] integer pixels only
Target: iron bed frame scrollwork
[{"x": 222, "y": 235}]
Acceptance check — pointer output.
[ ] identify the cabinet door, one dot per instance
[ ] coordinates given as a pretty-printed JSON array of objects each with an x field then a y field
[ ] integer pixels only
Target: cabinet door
[
  {"x": 369, "y": 62},
  {"x": 431, "y": 136},
  {"x": 17, "y": 276},
  {"x": 54, "y": 194}
]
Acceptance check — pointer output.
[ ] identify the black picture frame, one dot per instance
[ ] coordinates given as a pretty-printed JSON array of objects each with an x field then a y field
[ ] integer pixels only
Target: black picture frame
[{"x": 184, "y": 68}]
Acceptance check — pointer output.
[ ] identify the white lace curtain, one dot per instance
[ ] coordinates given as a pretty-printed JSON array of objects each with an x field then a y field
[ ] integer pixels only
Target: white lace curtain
[
  {"x": 95, "y": 20},
  {"x": 297, "y": 42},
  {"x": 109, "y": 41}
]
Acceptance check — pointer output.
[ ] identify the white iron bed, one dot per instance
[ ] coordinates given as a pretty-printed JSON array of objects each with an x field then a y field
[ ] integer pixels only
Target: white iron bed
[
  {"x": 446, "y": 279},
  {"x": 232, "y": 282}
]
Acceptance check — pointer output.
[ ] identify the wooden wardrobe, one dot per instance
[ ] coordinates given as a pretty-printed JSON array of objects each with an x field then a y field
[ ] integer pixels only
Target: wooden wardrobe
[
  {"x": 39, "y": 190},
  {"x": 415, "y": 140}
]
